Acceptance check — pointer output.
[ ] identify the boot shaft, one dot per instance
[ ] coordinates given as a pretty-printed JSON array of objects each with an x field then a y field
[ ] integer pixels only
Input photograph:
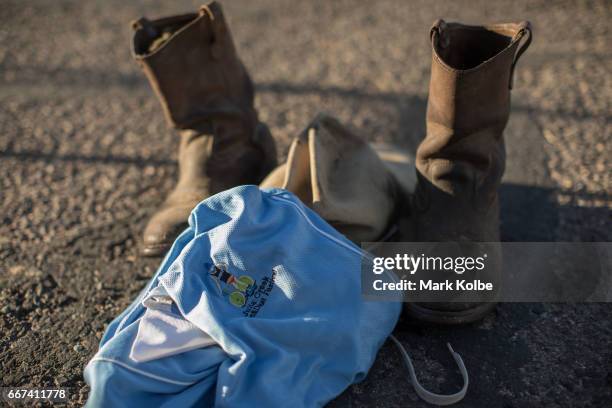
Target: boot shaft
[
  {"x": 192, "y": 65},
  {"x": 471, "y": 75},
  {"x": 469, "y": 105},
  {"x": 461, "y": 161},
  {"x": 205, "y": 91}
]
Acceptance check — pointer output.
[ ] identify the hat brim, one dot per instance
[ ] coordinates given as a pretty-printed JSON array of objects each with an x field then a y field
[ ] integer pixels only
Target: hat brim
[{"x": 399, "y": 163}]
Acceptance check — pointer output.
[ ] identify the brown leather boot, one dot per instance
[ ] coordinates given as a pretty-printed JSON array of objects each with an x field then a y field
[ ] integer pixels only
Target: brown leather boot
[
  {"x": 461, "y": 161},
  {"x": 206, "y": 94}
]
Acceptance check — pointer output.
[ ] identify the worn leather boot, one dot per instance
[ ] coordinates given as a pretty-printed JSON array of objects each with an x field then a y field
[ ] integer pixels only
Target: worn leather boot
[
  {"x": 207, "y": 95},
  {"x": 461, "y": 161}
]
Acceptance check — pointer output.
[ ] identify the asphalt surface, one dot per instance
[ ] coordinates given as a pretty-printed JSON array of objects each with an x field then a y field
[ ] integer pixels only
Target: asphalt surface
[{"x": 85, "y": 158}]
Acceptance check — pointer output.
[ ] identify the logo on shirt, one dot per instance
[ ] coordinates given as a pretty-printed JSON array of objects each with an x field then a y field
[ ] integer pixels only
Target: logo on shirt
[
  {"x": 242, "y": 291},
  {"x": 237, "y": 289}
]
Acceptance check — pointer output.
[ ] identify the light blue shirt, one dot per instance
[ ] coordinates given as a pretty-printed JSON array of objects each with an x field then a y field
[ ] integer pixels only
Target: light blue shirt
[{"x": 257, "y": 304}]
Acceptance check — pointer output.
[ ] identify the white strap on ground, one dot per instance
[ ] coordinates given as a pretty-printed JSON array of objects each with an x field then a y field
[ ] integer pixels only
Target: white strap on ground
[{"x": 428, "y": 396}]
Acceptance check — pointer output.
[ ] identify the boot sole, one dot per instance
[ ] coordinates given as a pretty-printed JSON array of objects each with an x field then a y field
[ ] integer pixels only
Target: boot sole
[{"x": 447, "y": 317}]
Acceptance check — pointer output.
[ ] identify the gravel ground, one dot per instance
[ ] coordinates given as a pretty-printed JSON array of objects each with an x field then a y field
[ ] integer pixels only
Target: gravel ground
[{"x": 85, "y": 157}]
